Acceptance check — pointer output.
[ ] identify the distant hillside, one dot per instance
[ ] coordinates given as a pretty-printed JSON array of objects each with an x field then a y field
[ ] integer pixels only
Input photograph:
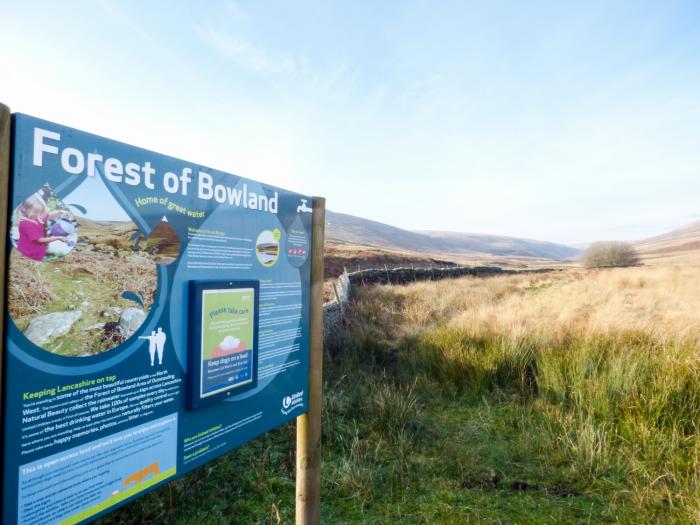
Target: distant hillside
[
  {"x": 498, "y": 245},
  {"x": 341, "y": 227},
  {"x": 682, "y": 244}
]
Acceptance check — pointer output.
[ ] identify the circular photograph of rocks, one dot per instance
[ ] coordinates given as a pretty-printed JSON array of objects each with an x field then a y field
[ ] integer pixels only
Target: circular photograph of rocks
[{"x": 94, "y": 297}]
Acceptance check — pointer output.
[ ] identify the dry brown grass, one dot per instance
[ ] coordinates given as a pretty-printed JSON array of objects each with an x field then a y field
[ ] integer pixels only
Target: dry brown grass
[
  {"x": 662, "y": 302},
  {"x": 28, "y": 289},
  {"x": 120, "y": 271}
]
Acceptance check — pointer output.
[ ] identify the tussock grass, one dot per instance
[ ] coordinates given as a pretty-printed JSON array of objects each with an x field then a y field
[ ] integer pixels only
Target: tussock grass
[{"x": 607, "y": 359}]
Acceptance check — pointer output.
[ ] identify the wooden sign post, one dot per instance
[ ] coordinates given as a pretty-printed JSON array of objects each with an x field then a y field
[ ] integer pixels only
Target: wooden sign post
[
  {"x": 308, "y": 483},
  {"x": 5, "y": 127}
]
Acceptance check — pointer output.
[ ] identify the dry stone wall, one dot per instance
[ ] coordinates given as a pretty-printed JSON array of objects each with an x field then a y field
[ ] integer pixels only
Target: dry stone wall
[{"x": 334, "y": 310}]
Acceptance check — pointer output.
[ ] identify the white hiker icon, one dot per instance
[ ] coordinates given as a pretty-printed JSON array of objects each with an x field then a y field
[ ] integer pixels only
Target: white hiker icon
[
  {"x": 156, "y": 343},
  {"x": 160, "y": 344},
  {"x": 151, "y": 344}
]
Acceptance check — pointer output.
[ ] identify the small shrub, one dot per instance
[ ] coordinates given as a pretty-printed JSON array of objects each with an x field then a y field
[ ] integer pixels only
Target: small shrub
[{"x": 607, "y": 254}]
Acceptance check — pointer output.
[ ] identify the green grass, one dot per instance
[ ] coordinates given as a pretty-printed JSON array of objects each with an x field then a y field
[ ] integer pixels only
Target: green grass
[{"x": 438, "y": 425}]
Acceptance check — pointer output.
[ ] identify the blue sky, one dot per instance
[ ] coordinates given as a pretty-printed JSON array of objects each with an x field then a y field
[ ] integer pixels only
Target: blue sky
[{"x": 564, "y": 121}]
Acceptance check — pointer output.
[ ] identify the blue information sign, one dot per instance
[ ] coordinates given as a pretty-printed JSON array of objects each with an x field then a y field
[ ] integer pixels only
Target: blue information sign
[{"x": 157, "y": 317}]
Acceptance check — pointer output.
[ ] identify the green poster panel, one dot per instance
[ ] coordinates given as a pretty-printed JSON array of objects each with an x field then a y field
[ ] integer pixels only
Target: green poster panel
[{"x": 224, "y": 339}]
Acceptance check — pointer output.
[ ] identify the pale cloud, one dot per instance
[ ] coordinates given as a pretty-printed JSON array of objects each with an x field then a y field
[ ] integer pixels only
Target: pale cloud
[
  {"x": 246, "y": 54},
  {"x": 119, "y": 16},
  {"x": 235, "y": 12}
]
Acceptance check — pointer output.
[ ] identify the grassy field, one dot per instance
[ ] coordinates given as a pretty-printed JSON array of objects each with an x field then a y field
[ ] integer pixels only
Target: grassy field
[{"x": 570, "y": 397}]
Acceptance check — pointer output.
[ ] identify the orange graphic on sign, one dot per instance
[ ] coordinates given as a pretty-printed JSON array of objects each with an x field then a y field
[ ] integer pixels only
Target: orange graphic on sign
[{"x": 140, "y": 475}]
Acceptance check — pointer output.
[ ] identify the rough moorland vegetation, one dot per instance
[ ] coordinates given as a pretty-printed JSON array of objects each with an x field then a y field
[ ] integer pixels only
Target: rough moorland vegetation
[{"x": 571, "y": 397}]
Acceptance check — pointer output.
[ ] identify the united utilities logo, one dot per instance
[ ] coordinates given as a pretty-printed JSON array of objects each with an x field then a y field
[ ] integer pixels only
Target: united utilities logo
[{"x": 290, "y": 403}]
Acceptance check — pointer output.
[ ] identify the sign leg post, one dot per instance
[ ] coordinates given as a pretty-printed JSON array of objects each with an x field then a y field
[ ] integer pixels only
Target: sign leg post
[
  {"x": 5, "y": 130},
  {"x": 308, "y": 481}
]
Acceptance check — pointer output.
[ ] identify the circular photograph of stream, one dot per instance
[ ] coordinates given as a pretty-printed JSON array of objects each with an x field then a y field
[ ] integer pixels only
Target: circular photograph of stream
[{"x": 267, "y": 247}]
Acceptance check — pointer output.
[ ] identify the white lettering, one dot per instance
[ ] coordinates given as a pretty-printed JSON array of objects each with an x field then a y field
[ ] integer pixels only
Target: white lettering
[
  {"x": 234, "y": 196},
  {"x": 40, "y": 147},
  {"x": 219, "y": 193},
  {"x": 73, "y": 169},
  {"x": 205, "y": 186},
  {"x": 252, "y": 201},
  {"x": 185, "y": 179},
  {"x": 133, "y": 177},
  {"x": 76, "y": 162},
  {"x": 170, "y": 182},
  {"x": 262, "y": 202},
  {"x": 91, "y": 160},
  {"x": 114, "y": 170},
  {"x": 147, "y": 173}
]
